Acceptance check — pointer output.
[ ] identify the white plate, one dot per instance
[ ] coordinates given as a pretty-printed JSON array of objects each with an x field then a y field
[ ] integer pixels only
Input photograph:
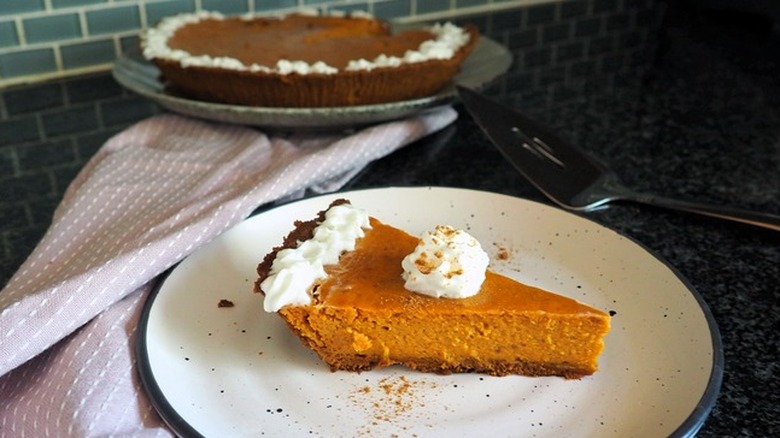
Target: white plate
[
  {"x": 486, "y": 63},
  {"x": 238, "y": 371}
]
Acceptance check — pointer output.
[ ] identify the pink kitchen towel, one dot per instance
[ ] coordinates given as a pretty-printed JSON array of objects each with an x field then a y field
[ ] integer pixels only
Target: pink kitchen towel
[{"x": 150, "y": 196}]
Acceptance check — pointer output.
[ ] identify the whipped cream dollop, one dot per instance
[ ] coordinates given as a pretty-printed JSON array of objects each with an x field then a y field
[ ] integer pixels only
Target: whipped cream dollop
[
  {"x": 295, "y": 270},
  {"x": 446, "y": 263},
  {"x": 447, "y": 39}
]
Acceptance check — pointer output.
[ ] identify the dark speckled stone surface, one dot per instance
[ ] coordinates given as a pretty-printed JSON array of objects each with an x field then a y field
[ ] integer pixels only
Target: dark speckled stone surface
[{"x": 695, "y": 114}]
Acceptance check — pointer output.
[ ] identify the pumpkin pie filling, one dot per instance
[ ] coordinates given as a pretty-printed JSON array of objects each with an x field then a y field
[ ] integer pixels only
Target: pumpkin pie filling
[
  {"x": 362, "y": 317},
  {"x": 296, "y": 38}
]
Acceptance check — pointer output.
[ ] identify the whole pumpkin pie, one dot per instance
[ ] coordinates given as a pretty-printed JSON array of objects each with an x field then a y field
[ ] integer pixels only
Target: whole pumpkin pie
[
  {"x": 354, "y": 308},
  {"x": 303, "y": 60}
]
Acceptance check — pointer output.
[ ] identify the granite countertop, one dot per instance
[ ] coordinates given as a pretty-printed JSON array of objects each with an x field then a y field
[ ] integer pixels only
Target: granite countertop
[{"x": 695, "y": 114}]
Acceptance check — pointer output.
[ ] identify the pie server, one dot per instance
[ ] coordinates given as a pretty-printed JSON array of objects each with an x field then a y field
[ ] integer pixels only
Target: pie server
[{"x": 569, "y": 176}]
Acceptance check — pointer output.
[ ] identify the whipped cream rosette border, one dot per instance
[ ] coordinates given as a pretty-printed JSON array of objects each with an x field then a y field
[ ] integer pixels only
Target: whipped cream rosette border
[{"x": 449, "y": 38}]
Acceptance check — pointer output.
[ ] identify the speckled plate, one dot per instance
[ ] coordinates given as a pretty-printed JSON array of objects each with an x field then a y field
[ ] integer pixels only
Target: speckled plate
[
  {"x": 238, "y": 371},
  {"x": 487, "y": 62}
]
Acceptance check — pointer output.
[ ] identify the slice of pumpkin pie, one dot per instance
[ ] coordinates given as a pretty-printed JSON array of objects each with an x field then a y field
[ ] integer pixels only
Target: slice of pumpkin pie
[{"x": 363, "y": 294}]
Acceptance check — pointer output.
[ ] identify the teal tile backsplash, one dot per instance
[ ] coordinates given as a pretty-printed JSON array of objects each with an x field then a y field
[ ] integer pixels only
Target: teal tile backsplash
[
  {"x": 88, "y": 53},
  {"x": 52, "y": 28},
  {"x": 27, "y": 62},
  {"x": 233, "y": 7},
  {"x": 8, "y": 7},
  {"x": 8, "y": 36},
  {"x": 432, "y": 6},
  {"x": 269, "y": 5},
  {"x": 43, "y": 39},
  {"x": 68, "y": 3},
  {"x": 156, "y": 11},
  {"x": 393, "y": 8},
  {"x": 104, "y": 21}
]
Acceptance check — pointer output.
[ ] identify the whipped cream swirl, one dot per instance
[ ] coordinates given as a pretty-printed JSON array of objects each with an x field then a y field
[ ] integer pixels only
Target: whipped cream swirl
[
  {"x": 295, "y": 270},
  {"x": 446, "y": 263}
]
